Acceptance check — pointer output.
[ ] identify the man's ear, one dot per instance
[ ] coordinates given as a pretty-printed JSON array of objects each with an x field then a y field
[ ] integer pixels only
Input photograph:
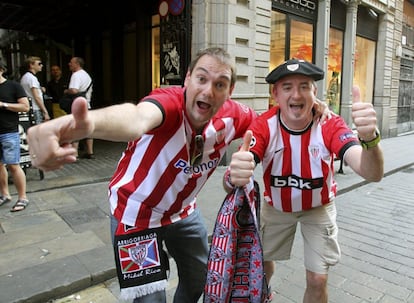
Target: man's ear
[
  {"x": 315, "y": 88},
  {"x": 274, "y": 90},
  {"x": 231, "y": 90},
  {"x": 187, "y": 78}
]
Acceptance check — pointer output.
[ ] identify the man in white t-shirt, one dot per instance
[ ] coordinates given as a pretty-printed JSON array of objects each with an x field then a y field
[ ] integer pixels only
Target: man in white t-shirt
[
  {"x": 33, "y": 89},
  {"x": 80, "y": 81}
]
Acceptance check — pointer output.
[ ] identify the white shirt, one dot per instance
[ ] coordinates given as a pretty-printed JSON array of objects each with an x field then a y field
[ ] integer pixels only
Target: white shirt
[
  {"x": 29, "y": 81},
  {"x": 80, "y": 80}
]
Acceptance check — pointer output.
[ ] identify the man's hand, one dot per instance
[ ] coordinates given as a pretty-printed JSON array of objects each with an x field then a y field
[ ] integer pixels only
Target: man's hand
[
  {"x": 322, "y": 111},
  {"x": 50, "y": 142},
  {"x": 365, "y": 120},
  {"x": 242, "y": 163}
]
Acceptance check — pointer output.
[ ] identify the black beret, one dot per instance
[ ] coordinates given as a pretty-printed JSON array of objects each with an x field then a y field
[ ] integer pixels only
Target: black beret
[{"x": 295, "y": 67}]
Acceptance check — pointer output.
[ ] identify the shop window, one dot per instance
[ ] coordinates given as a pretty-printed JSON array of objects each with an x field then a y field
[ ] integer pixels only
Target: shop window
[
  {"x": 333, "y": 76},
  {"x": 291, "y": 37},
  {"x": 406, "y": 93},
  {"x": 277, "y": 39},
  {"x": 364, "y": 67},
  {"x": 301, "y": 40}
]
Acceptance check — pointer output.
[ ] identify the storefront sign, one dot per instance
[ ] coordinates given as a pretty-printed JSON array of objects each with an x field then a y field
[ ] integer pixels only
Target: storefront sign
[{"x": 303, "y": 8}]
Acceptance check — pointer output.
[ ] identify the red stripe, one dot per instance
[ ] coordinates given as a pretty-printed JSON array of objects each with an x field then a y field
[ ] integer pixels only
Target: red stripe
[
  {"x": 306, "y": 169},
  {"x": 286, "y": 192}
]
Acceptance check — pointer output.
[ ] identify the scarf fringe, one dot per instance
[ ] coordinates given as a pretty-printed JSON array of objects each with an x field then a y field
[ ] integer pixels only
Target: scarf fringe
[{"x": 142, "y": 290}]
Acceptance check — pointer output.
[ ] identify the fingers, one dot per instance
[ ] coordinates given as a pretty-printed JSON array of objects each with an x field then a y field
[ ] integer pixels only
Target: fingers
[
  {"x": 80, "y": 109},
  {"x": 322, "y": 111},
  {"x": 49, "y": 144},
  {"x": 364, "y": 117},
  {"x": 52, "y": 163},
  {"x": 356, "y": 94},
  {"x": 246, "y": 141},
  {"x": 242, "y": 164}
]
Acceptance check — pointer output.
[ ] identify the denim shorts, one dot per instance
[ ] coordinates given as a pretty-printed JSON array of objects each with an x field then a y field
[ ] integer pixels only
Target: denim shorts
[{"x": 10, "y": 148}]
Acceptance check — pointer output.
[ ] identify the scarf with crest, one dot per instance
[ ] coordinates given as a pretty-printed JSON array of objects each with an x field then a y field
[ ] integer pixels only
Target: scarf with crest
[
  {"x": 235, "y": 265},
  {"x": 141, "y": 263}
]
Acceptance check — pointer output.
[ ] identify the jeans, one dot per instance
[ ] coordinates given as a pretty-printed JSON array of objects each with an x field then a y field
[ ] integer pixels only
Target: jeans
[
  {"x": 10, "y": 148},
  {"x": 186, "y": 242}
]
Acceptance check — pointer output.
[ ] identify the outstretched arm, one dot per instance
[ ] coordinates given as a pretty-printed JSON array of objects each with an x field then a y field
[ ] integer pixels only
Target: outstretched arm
[
  {"x": 50, "y": 142},
  {"x": 368, "y": 162}
]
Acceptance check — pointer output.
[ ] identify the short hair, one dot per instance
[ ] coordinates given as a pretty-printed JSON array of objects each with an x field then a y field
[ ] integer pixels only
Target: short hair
[
  {"x": 80, "y": 61},
  {"x": 220, "y": 54},
  {"x": 31, "y": 59}
]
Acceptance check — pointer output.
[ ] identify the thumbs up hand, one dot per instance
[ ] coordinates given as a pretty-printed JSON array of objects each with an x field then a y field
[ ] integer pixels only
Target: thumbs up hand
[
  {"x": 365, "y": 119},
  {"x": 242, "y": 163}
]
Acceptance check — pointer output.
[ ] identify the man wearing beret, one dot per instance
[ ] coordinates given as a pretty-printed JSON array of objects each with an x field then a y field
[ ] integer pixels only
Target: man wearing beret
[{"x": 297, "y": 156}]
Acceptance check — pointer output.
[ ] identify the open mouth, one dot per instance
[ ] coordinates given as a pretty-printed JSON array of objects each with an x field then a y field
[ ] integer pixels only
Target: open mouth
[
  {"x": 202, "y": 105},
  {"x": 296, "y": 106}
]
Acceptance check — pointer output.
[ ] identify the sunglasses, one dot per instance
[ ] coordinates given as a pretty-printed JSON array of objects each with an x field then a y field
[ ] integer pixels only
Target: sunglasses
[{"x": 197, "y": 154}]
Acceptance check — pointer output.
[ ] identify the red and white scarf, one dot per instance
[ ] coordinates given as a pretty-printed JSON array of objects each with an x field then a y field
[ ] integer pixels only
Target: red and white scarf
[{"x": 235, "y": 265}]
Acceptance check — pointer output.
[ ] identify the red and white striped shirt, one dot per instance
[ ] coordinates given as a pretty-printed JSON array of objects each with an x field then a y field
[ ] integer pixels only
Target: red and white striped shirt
[
  {"x": 154, "y": 184},
  {"x": 298, "y": 167}
]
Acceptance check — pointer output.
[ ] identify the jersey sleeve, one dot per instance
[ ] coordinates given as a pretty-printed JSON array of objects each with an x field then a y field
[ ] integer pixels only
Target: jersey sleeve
[
  {"x": 261, "y": 134},
  {"x": 341, "y": 137},
  {"x": 245, "y": 116},
  {"x": 170, "y": 101}
]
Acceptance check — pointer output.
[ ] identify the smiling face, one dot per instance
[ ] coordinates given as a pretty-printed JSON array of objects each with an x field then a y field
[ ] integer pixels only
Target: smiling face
[
  {"x": 295, "y": 95},
  {"x": 208, "y": 86}
]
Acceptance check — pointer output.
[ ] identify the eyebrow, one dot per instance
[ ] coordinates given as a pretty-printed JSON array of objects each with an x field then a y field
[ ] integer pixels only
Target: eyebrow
[
  {"x": 289, "y": 82},
  {"x": 207, "y": 72}
]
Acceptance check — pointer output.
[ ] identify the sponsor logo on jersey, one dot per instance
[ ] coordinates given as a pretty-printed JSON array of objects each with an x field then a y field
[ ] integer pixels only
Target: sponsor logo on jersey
[
  {"x": 196, "y": 169},
  {"x": 346, "y": 136},
  {"x": 296, "y": 182}
]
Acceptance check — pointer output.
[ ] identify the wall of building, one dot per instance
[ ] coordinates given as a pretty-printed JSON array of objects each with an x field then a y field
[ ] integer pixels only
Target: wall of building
[{"x": 243, "y": 27}]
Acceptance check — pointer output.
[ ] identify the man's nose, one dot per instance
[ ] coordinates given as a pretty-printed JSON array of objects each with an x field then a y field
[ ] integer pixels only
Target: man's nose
[{"x": 208, "y": 89}]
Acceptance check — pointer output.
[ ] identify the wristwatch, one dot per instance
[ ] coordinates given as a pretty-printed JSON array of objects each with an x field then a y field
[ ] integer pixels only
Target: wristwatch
[
  {"x": 372, "y": 143},
  {"x": 4, "y": 105}
]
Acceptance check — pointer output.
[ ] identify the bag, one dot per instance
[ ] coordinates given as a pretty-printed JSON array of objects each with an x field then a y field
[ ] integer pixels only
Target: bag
[
  {"x": 66, "y": 101},
  {"x": 235, "y": 271}
]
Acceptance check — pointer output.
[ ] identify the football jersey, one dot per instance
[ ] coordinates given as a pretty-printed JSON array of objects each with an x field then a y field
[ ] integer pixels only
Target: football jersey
[
  {"x": 154, "y": 183},
  {"x": 298, "y": 166}
]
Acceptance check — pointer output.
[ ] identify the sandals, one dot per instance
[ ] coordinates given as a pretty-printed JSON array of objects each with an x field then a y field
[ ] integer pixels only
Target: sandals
[
  {"x": 21, "y": 204},
  {"x": 270, "y": 295},
  {"x": 4, "y": 200}
]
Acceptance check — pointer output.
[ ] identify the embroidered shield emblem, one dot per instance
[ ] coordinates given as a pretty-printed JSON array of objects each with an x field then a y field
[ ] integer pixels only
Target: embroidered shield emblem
[
  {"x": 314, "y": 151},
  {"x": 138, "y": 253}
]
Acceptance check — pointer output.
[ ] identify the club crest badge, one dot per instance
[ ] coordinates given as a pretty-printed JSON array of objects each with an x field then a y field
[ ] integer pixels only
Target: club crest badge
[{"x": 138, "y": 254}]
